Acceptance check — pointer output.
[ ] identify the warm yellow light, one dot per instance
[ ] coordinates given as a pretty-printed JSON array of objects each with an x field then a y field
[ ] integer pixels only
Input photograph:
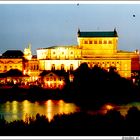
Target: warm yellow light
[
  {"x": 15, "y": 81},
  {"x": 49, "y": 111},
  {"x": 36, "y": 78},
  {"x": 109, "y": 107},
  {"x": 61, "y": 82},
  {"x": 29, "y": 72},
  {"x": 24, "y": 72},
  {"x": 14, "y": 107}
]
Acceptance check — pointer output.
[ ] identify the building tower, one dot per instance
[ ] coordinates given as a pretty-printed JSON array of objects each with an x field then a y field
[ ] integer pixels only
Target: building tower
[{"x": 27, "y": 52}]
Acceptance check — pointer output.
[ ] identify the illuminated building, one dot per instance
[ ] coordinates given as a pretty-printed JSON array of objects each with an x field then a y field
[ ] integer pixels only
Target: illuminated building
[
  {"x": 94, "y": 48},
  {"x": 11, "y": 59},
  {"x": 31, "y": 64},
  {"x": 53, "y": 79}
]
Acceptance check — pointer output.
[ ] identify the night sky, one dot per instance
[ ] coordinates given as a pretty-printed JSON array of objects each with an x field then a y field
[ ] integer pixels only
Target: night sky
[{"x": 45, "y": 25}]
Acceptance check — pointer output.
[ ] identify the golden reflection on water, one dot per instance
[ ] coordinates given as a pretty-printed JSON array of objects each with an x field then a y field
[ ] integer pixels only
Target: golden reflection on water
[
  {"x": 49, "y": 111},
  {"x": 58, "y": 107},
  {"x": 123, "y": 109},
  {"x": 21, "y": 110},
  {"x": 7, "y": 107},
  {"x": 14, "y": 107}
]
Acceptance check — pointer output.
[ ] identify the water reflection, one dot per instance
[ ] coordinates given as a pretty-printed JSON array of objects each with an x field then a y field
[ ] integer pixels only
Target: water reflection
[{"x": 21, "y": 110}]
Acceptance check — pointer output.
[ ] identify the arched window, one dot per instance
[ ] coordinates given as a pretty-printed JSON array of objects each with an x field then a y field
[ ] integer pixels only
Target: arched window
[
  {"x": 37, "y": 67},
  {"x": 91, "y": 65},
  {"x": 5, "y": 68},
  {"x": 71, "y": 67},
  {"x": 53, "y": 67},
  {"x": 62, "y": 66},
  {"x": 34, "y": 67}
]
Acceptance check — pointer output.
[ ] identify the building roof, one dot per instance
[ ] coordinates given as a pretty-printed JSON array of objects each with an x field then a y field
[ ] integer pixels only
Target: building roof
[
  {"x": 13, "y": 54},
  {"x": 65, "y": 47},
  {"x": 13, "y": 73},
  {"x": 98, "y": 34}
]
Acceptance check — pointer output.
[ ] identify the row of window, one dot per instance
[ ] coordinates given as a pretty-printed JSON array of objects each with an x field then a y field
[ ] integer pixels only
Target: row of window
[
  {"x": 10, "y": 67},
  {"x": 64, "y": 57},
  {"x": 53, "y": 86},
  {"x": 64, "y": 53},
  {"x": 62, "y": 67},
  {"x": 53, "y": 79},
  {"x": 103, "y": 62},
  {"x": 34, "y": 67},
  {"x": 61, "y": 53},
  {"x": 97, "y": 42}
]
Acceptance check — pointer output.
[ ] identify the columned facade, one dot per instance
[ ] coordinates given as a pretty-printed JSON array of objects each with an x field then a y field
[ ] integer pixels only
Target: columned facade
[{"x": 94, "y": 48}]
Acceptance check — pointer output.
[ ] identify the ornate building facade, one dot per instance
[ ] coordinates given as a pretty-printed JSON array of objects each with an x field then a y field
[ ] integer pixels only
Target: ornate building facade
[
  {"x": 94, "y": 48},
  {"x": 11, "y": 59}
]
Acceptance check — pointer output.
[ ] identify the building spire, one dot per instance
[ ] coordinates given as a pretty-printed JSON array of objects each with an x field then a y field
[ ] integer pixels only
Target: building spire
[
  {"x": 29, "y": 46},
  {"x": 27, "y": 52},
  {"x": 78, "y": 33},
  {"x": 115, "y": 32}
]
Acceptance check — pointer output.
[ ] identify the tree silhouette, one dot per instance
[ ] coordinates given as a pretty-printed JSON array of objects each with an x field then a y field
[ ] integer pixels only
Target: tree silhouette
[{"x": 97, "y": 86}]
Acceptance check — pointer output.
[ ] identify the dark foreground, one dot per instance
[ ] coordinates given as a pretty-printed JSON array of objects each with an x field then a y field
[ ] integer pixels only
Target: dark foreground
[{"x": 76, "y": 124}]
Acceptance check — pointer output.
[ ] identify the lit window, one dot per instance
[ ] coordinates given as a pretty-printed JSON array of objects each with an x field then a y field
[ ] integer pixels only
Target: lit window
[
  {"x": 62, "y": 52},
  {"x": 125, "y": 74},
  {"x": 90, "y": 42},
  {"x": 62, "y": 66},
  {"x": 53, "y": 67},
  {"x": 54, "y": 85},
  {"x": 51, "y": 78},
  {"x": 100, "y": 42},
  {"x": 95, "y": 42},
  {"x": 71, "y": 67},
  {"x": 71, "y": 53},
  {"x": 36, "y": 67},
  {"x": 105, "y": 42},
  {"x": 86, "y": 42},
  {"x": 109, "y": 42},
  {"x": 53, "y": 52},
  {"x": 47, "y": 79}
]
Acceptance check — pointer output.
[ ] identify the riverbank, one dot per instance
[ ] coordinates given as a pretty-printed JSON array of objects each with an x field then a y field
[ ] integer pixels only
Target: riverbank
[
  {"x": 75, "y": 124},
  {"x": 80, "y": 99},
  {"x": 31, "y": 94}
]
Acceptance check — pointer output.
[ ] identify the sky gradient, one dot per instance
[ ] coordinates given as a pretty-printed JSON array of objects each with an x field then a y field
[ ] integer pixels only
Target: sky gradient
[{"x": 45, "y": 25}]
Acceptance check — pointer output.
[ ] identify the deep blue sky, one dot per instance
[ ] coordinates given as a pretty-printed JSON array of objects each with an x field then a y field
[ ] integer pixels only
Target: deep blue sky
[{"x": 45, "y": 25}]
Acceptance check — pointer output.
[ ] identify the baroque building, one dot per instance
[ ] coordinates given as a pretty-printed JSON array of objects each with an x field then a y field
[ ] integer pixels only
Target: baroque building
[
  {"x": 11, "y": 59},
  {"x": 31, "y": 64},
  {"x": 94, "y": 48}
]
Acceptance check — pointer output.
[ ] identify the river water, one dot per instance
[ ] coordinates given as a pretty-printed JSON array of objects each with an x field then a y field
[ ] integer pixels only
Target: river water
[
  {"x": 16, "y": 110},
  {"x": 19, "y": 110}
]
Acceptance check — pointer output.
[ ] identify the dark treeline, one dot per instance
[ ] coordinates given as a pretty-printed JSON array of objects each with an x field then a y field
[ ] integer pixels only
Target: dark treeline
[
  {"x": 76, "y": 124},
  {"x": 93, "y": 87}
]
